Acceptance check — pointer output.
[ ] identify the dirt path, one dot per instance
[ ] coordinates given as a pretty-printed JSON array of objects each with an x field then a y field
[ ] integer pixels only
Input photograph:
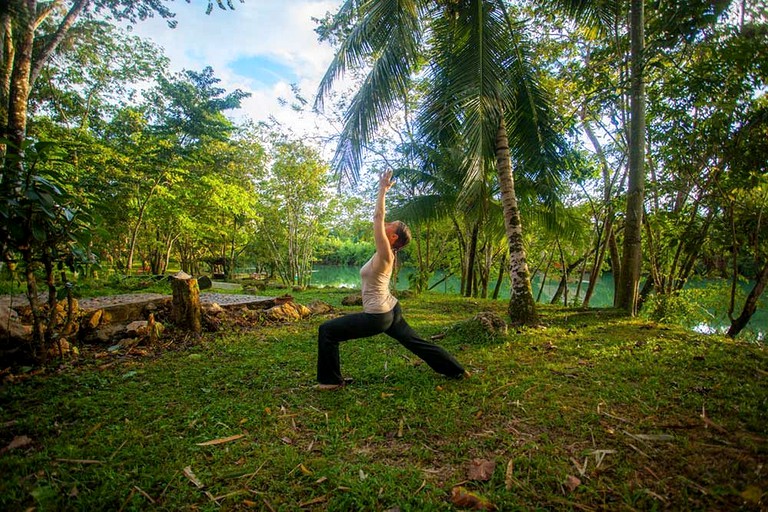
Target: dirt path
[{"x": 109, "y": 301}]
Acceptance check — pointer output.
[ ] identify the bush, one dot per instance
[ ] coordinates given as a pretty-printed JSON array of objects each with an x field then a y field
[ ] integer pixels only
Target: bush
[
  {"x": 693, "y": 306},
  {"x": 484, "y": 327}
]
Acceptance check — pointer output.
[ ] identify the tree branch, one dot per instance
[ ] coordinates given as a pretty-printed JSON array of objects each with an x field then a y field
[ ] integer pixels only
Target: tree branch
[{"x": 58, "y": 36}]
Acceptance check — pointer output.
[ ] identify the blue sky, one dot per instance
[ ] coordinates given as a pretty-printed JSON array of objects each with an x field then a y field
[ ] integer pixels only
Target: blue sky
[
  {"x": 261, "y": 47},
  {"x": 264, "y": 70}
]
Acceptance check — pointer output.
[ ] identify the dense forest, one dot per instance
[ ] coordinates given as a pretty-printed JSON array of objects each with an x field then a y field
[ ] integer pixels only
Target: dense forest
[{"x": 564, "y": 138}]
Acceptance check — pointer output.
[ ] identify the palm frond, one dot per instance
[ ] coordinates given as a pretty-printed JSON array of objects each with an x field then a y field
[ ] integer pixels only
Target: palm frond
[
  {"x": 599, "y": 14},
  {"x": 539, "y": 152},
  {"x": 353, "y": 51},
  {"x": 425, "y": 208},
  {"x": 468, "y": 79},
  {"x": 387, "y": 33},
  {"x": 556, "y": 219}
]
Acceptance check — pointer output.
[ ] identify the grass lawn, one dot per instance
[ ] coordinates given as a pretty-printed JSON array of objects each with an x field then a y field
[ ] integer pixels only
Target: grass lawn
[{"x": 592, "y": 411}]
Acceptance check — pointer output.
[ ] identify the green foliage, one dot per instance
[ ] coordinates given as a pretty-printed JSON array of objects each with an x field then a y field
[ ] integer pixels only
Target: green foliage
[
  {"x": 680, "y": 308},
  {"x": 99, "y": 64},
  {"x": 296, "y": 207},
  {"x": 336, "y": 251},
  {"x": 42, "y": 230},
  {"x": 695, "y": 306},
  {"x": 190, "y": 106}
]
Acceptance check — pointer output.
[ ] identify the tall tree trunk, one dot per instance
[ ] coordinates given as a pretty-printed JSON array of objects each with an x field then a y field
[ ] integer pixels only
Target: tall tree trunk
[
  {"x": 137, "y": 226},
  {"x": 522, "y": 307},
  {"x": 633, "y": 252},
  {"x": 19, "y": 86},
  {"x": 597, "y": 264},
  {"x": 20, "y": 20},
  {"x": 38, "y": 328},
  {"x": 562, "y": 288},
  {"x": 462, "y": 252},
  {"x": 500, "y": 277},
  {"x": 170, "y": 239},
  {"x": 15, "y": 128},
  {"x": 471, "y": 257},
  {"x": 545, "y": 275},
  {"x": 613, "y": 248},
  {"x": 485, "y": 274},
  {"x": 7, "y": 54}
]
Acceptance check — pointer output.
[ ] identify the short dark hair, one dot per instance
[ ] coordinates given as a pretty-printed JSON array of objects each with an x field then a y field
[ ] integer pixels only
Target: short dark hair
[{"x": 403, "y": 233}]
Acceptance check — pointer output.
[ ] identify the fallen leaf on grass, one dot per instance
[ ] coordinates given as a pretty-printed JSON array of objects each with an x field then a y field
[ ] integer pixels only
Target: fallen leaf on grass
[
  {"x": 80, "y": 461},
  {"x": 752, "y": 494},
  {"x": 315, "y": 501},
  {"x": 192, "y": 478},
  {"x": 221, "y": 440},
  {"x": 17, "y": 442},
  {"x": 509, "y": 475},
  {"x": 654, "y": 437},
  {"x": 481, "y": 469},
  {"x": 305, "y": 470},
  {"x": 571, "y": 483},
  {"x": 463, "y": 498}
]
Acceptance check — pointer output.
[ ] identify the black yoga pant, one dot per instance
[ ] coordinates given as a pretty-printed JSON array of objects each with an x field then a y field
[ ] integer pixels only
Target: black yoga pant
[{"x": 363, "y": 325}]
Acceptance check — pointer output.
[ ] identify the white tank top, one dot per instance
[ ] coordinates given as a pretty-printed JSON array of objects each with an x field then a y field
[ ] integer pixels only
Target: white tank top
[{"x": 376, "y": 295}]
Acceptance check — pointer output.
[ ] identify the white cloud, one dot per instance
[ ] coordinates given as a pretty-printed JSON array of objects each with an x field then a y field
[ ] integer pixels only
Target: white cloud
[{"x": 281, "y": 30}]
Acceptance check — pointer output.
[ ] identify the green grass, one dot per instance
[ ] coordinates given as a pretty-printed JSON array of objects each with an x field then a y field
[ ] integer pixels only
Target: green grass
[{"x": 574, "y": 398}]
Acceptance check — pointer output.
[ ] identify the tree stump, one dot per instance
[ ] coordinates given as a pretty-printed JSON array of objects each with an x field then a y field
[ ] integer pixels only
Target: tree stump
[{"x": 186, "y": 309}]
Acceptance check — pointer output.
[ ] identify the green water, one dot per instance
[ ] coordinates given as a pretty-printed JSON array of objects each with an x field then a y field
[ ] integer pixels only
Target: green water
[{"x": 349, "y": 277}]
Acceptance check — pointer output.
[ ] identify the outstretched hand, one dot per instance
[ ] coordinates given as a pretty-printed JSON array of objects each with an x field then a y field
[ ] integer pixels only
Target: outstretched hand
[{"x": 386, "y": 181}]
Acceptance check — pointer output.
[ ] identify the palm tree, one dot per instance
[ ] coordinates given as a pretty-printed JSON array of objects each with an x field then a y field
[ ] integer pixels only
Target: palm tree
[{"x": 482, "y": 96}]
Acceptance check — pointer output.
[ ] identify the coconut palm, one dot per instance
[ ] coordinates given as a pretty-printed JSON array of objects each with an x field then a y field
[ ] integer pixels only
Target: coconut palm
[{"x": 482, "y": 96}]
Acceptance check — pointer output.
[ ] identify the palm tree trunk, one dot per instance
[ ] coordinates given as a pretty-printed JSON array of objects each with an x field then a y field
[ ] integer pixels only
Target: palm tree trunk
[
  {"x": 522, "y": 308},
  {"x": 633, "y": 254}
]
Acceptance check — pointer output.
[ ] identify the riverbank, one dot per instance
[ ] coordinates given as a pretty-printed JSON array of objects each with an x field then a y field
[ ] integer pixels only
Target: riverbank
[{"x": 710, "y": 296}]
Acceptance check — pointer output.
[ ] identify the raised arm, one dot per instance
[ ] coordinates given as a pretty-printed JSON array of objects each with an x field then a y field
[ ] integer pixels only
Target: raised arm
[{"x": 384, "y": 253}]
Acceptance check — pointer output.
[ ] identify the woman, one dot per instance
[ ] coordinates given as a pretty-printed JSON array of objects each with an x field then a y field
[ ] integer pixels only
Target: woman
[{"x": 381, "y": 311}]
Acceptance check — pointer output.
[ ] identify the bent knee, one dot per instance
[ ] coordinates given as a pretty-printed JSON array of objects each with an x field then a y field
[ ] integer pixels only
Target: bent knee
[{"x": 325, "y": 334}]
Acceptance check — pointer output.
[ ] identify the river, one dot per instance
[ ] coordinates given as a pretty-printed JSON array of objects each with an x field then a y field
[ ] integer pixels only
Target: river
[{"x": 349, "y": 277}]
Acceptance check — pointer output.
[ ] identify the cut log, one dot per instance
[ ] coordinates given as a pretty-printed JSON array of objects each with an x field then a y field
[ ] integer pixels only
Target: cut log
[{"x": 186, "y": 309}]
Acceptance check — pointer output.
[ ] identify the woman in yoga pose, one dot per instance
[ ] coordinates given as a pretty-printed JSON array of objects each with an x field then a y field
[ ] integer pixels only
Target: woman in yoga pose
[{"x": 381, "y": 310}]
